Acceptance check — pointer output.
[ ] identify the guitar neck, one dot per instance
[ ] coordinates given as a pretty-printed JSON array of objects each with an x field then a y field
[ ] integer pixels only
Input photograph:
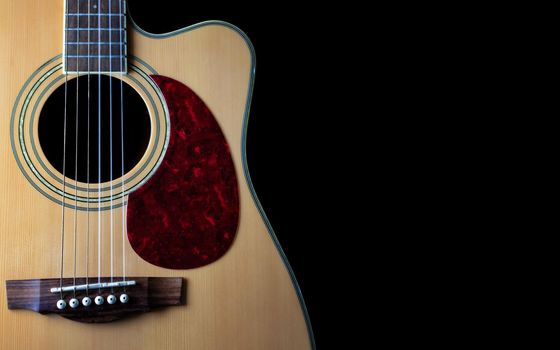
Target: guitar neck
[{"x": 95, "y": 36}]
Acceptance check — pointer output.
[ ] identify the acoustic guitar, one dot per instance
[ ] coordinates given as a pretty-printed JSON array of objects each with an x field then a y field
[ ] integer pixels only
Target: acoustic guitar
[{"x": 127, "y": 215}]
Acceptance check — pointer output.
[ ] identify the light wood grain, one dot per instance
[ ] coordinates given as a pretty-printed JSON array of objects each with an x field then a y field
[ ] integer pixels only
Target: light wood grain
[{"x": 245, "y": 300}]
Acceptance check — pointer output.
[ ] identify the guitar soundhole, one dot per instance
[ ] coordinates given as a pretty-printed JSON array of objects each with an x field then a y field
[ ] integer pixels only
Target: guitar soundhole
[{"x": 136, "y": 121}]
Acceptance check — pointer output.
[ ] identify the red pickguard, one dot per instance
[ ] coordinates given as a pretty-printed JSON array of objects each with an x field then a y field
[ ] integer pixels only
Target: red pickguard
[{"x": 187, "y": 214}]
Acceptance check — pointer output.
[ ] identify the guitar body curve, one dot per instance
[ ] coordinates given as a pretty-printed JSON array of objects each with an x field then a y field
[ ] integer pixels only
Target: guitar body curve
[{"x": 245, "y": 299}]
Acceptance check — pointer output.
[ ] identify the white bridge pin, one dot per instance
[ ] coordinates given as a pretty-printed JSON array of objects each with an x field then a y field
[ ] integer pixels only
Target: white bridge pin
[
  {"x": 111, "y": 299},
  {"x": 99, "y": 300},
  {"x": 124, "y": 298},
  {"x": 74, "y": 303},
  {"x": 61, "y": 304},
  {"x": 86, "y": 301}
]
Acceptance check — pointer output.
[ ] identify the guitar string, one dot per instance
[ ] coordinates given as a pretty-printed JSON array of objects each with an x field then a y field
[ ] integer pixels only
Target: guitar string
[
  {"x": 123, "y": 207},
  {"x": 88, "y": 149},
  {"x": 64, "y": 154},
  {"x": 99, "y": 229},
  {"x": 76, "y": 145},
  {"x": 87, "y": 163},
  {"x": 111, "y": 137}
]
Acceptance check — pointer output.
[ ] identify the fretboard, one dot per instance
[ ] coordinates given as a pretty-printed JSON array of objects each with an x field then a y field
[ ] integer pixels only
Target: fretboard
[{"x": 95, "y": 36}]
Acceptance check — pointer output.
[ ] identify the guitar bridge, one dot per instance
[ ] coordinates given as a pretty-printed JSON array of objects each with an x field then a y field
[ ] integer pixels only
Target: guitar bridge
[{"x": 142, "y": 294}]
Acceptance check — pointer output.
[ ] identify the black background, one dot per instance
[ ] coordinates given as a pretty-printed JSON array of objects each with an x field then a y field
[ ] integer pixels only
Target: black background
[{"x": 285, "y": 155}]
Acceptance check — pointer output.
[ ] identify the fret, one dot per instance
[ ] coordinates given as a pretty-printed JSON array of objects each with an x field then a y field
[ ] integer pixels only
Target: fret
[
  {"x": 81, "y": 36},
  {"x": 95, "y": 49},
  {"x": 95, "y": 22},
  {"x": 95, "y": 14},
  {"x": 107, "y": 65},
  {"x": 94, "y": 43},
  {"x": 96, "y": 56},
  {"x": 94, "y": 29}
]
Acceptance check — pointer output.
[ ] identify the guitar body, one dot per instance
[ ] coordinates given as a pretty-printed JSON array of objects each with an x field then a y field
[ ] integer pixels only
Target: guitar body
[{"x": 244, "y": 298}]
